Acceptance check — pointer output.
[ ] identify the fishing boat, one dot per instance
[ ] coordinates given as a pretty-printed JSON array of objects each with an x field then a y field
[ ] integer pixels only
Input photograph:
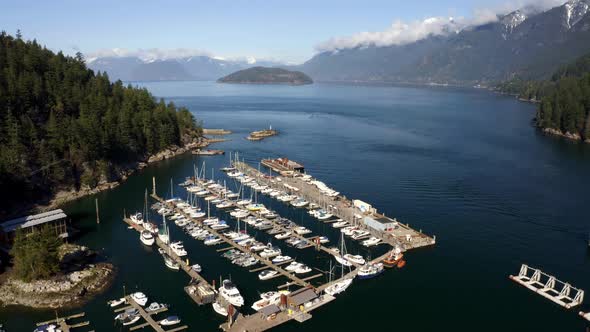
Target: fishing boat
[
  {"x": 170, "y": 320},
  {"x": 280, "y": 259},
  {"x": 395, "y": 256},
  {"x": 357, "y": 259},
  {"x": 231, "y": 293},
  {"x": 267, "y": 274},
  {"x": 116, "y": 302},
  {"x": 139, "y": 298},
  {"x": 220, "y": 309},
  {"x": 147, "y": 238},
  {"x": 370, "y": 270}
]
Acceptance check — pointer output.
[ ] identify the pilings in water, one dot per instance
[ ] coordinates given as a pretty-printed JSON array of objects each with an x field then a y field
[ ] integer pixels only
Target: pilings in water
[{"x": 549, "y": 287}]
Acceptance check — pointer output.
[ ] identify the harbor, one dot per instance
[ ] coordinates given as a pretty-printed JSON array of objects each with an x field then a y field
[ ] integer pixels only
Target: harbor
[{"x": 66, "y": 324}]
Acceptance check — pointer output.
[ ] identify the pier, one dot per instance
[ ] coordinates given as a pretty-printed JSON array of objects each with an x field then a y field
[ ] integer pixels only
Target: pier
[
  {"x": 147, "y": 316},
  {"x": 549, "y": 287},
  {"x": 65, "y": 324}
]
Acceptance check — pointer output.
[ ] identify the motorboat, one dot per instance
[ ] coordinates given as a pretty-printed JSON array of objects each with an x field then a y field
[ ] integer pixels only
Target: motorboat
[
  {"x": 338, "y": 287},
  {"x": 323, "y": 239},
  {"x": 128, "y": 320},
  {"x": 254, "y": 207},
  {"x": 340, "y": 259},
  {"x": 372, "y": 241},
  {"x": 210, "y": 221},
  {"x": 170, "y": 320},
  {"x": 357, "y": 235},
  {"x": 211, "y": 240},
  {"x": 302, "y": 269},
  {"x": 116, "y": 302},
  {"x": 370, "y": 270},
  {"x": 293, "y": 266},
  {"x": 155, "y": 306},
  {"x": 280, "y": 259},
  {"x": 302, "y": 230},
  {"x": 270, "y": 252},
  {"x": 267, "y": 274},
  {"x": 340, "y": 224},
  {"x": 220, "y": 309},
  {"x": 126, "y": 312},
  {"x": 357, "y": 259},
  {"x": 282, "y": 236},
  {"x": 139, "y": 298},
  {"x": 170, "y": 262},
  {"x": 394, "y": 258},
  {"x": 231, "y": 293},
  {"x": 196, "y": 267},
  {"x": 178, "y": 249},
  {"x": 147, "y": 238},
  {"x": 222, "y": 224},
  {"x": 137, "y": 218},
  {"x": 299, "y": 203},
  {"x": 150, "y": 227},
  {"x": 269, "y": 298}
]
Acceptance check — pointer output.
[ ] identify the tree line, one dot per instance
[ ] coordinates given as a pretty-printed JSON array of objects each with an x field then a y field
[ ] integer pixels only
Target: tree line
[
  {"x": 62, "y": 125},
  {"x": 564, "y": 98}
]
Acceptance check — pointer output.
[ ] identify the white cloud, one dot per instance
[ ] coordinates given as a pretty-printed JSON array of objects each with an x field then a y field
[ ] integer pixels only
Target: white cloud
[
  {"x": 400, "y": 32},
  {"x": 148, "y": 55}
]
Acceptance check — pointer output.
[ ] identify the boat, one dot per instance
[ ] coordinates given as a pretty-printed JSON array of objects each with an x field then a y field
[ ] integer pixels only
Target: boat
[
  {"x": 127, "y": 312},
  {"x": 339, "y": 254},
  {"x": 116, "y": 302},
  {"x": 147, "y": 238},
  {"x": 357, "y": 235},
  {"x": 282, "y": 236},
  {"x": 338, "y": 287},
  {"x": 340, "y": 224},
  {"x": 372, "y": 241},
  {"x": 401, "y": 264},
  {"x": 170, "y": 320},
  {"x": 395, "y": 256},
  {"x": 323, "y": 239},
  {"x": 342, "y": 260},
  {"x": 178, "y": 249},
  {"x": 267, "y": 274},
  {"x": 280, "y": 259},
  {"x": 269, "y": 298},
  {"x": 196, "y": 267},
  {"x": 270, "y": 252},
  {"x": 323, "y": 216},
  {"x": 128, "y": 320},
  {"x": 370, "y": 270},
  {"x": 357, "y": 259},
  {"x": 211, "y": 221},
  {"x": 150, "y": 227},
  {"x": 139, "y": 298},
  {"x": 302, "y": 230},
  {"x": 163, "y": 233},
  {"x": 231, "y": 293},
  {"x": 254, "y": 207},
  {"x": 211, "y": 240},
  {"x": 220, "y": 225},
  {"x": 299, "y": 203},
  {"x": 44, "y": 328},
  {"x": 137, "y": 218},
  {"x": 155, "y": 306},
  {"x": 302, "y": 269},
  {"x": 170, "y": 262},
  {"x": 293, "y": 266},
  {"x": 219, "y": 309}
]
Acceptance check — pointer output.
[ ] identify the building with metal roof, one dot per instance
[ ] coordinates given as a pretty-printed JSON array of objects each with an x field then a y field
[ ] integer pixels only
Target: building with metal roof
[{"x": 55, "y": 219}]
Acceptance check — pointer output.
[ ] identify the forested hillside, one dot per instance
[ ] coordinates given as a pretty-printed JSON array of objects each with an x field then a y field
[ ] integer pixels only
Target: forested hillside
[{"x": 62, "y": 125}]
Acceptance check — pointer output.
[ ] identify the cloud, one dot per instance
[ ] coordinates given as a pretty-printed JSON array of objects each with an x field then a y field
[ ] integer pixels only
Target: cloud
[
  {"x": 148, "y": 55},
  {"x": 400, "y": 32}
]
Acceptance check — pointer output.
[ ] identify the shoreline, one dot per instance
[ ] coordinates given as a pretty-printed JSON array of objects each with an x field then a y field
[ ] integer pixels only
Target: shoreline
[{"x": 558, "y": 133}]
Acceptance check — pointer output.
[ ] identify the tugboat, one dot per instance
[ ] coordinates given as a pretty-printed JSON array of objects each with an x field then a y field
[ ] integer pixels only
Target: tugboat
[{"x": 394, "y": 258}]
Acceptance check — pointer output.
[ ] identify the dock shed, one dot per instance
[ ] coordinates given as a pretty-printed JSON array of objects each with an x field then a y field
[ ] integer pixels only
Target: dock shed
[
  {"x": 381, "y": 223},
  {"x": 301, "y": 297},
  {"x": 56, "y": 219},
  {"x": 363, "y": 206}
]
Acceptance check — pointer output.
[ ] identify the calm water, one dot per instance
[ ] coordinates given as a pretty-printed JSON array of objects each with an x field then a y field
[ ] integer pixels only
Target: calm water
[{"x": 463, "y": 165}]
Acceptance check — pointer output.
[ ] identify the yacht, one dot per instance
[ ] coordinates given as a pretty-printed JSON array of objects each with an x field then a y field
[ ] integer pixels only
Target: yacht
[
  {"x": 372, "y": 241},
  {"x": 170, "y": 262},
  {"x": 357, "y": 259},
  {"x": 267, "y": 274},
  {"x": 211, "y": 240},
  {"x": 270, "y": 252},
  {"x": 137, "y": 218},
  {"x": 170, "y": 320},
  {"x": 302, "y": 230},
  {"x": 147, "y": 238},
  {"x": 370, "y": 270},
  {"x": 338, "y": 287},
  {"x": 282, "y": 236},
  {"x": 269, "y": 298},
  {"x": 178, "y": 249},
  {"x": 155, "y": 306},
  {"x": 220, "y": 225},
  {"x": 340, "y": 224},
  {"x": 302, "y": 269},
  {"x": 139, "y": 298},
  {"x": 229, "y": 292},
  {"x": 293, "y": 266},
  {"x": 220, "y": 309},
  {"x": 280, "y": 259}
]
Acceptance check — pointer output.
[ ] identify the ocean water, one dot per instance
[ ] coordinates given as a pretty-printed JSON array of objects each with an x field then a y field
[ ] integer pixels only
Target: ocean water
[{"x": 464, "y": 165}]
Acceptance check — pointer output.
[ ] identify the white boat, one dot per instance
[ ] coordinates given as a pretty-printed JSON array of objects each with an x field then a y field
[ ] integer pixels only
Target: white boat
[
  {"x": 302, "y": 230},
  {"x": 269, "y": 298},
  {"x": 196, "y": 267},
  {"x": 211, "y": 221},
  {"x": 370, "y": 270},
  {"x": 323, "y": 216},
  {"x": 147, "y": 238},
  {"x": 170, "y": 262},
  {"x": 202, "y": 193},
  {"x": 356, "y": 235},
  {"x": 210, "y": 198},
  {"x": 137, "y": 218},
  {"x": 220, "y": 225},
  {"x": 150, "y": 227},
  {"x": 244, "y": 202},
  {"x": 302, "y": 269},
  {"x": 219, "y": 309},
  {"x": 229, "y": 292},
  {"x": 357, "y": 259},
  {"x": 155, "y": 306},
  {"x": 126, "y": 321},
  {"x": 342, "y": 260},
  {"x": 324, "y": 239},
  {"x": 211, "y": 240},
  {"x": 338, "y": 287},
  {"x": 267, "y": 274},
  {"x": 170, "y": 320},
  {"x": 340, "y": 224},
  {"x": 139, "y": 298},
  {"x": 270, "y": 252},
  {"x": 178, "y": 249},
  {"x": 239, "y": 214},
  {"x": 280, "y": 259},
  {"x": 116, "y": 302},
  {"x": 224, "y": 205},
  {"x": 372, "y": 241},
  {"x": 284, "y": 235},
  {"x": 299, "y": 203},
  {"x": 293, "y": 266},
  {"x": 254, "y": 207}
]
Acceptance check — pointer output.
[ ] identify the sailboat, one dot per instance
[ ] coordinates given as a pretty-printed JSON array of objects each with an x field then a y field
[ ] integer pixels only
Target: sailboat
[
  {"x": 340, "y": 256},
  {"x": 163, "y": 233},
  {"x": 340, "y": 286}
]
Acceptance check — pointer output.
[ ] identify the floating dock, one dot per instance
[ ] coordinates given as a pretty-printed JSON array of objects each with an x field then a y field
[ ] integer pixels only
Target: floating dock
[
  {"x": 216, "y": 132},
  {"x": 147, "y": 316},
  {"x": 65, "y": 324},
  {"x": 282, "y": 165},
  {"x": 549, "y": 287},
  {"x": 200, "y": 152}
]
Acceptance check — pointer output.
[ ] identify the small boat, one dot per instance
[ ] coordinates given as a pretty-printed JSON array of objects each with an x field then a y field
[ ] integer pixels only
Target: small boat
[
  {"x": 219, "y": 309},
  {"x": 116, "y": 302},
  {"x": 178, "y": 249},
  {"x": 282, "y": 236},
  {"x": 170, "y": 320},
  {"x": 155, "y": 306},
  {"x": 150, "y": 227},
  {"x": 302, "y": 230},
  {"x": 170, "y": 262},
  {"x": 270, "y": 252},
  {"x": 139, "y": 298},
  {"x": 267, "y": 274},
  {"x": 147, "y": 238},
  {"x": 280, "y": 259},
  {"x": 128, "y": 320},
  {"x": 196, "y": 267},
  {"x": 370, "y": 271},
  {"x": 254, "y": 207},
  {"x": 338, "y": 287},
  {"x": 293, "y": 266},
  {"x": 302, "y": 269},
  {"x": 395, "y": 256},
  {"x": 126, "y": 313},
  {"x": 372, "y": 241},
  {"x": 401, "y": 264},
  {"x": 323, "y": 239},
  {"x": 340, "y": 224},
  {"x": 269, "y": 298}
]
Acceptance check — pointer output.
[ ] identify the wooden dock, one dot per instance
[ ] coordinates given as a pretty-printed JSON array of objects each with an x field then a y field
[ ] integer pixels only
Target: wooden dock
[
  {"x": 147, "y": 316},
  {"x": 65, "y": 324}
]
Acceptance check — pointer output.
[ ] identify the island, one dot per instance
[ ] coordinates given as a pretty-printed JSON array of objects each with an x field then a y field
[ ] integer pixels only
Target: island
[{"x": 266, "y": 75}]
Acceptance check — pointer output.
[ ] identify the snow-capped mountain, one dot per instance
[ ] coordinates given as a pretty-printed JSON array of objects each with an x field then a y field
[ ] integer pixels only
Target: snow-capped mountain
[
  {"x": 132, "y": 68},
  {"x": 575, "y": 10}
]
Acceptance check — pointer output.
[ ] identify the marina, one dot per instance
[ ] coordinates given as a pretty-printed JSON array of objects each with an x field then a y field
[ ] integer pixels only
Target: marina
[
  {"x": 65, "y": 324},
  {"x": 139, "y": 311}
]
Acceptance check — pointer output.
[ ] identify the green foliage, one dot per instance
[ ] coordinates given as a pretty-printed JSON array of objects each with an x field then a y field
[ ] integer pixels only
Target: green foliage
[
  {"x": 35, "y": 254},
  {"x": 57, "y": 117}
]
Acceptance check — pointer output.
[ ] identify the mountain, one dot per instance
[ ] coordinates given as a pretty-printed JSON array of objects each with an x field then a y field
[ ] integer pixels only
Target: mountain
[
  {"x": 265, "y": 75},
  {"x": 525, "y": 43},
  {"x": 186, "y": 68}
]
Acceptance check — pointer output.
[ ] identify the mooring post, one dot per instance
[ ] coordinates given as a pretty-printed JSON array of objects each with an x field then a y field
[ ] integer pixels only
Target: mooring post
[{"x": 97, "y": 215}]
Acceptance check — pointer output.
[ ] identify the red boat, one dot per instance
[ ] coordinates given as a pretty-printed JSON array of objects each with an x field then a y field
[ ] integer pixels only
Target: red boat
[{"x": 394, "y": 258}]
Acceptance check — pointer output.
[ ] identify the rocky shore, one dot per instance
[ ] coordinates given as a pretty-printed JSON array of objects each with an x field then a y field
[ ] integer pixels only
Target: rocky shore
[
  {"x": 77, "y": 283},
  {"x": 568, "y": 135}
]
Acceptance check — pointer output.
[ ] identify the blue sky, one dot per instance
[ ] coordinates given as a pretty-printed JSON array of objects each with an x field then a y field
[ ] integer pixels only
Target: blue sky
[{"x": 285, "y": 30}]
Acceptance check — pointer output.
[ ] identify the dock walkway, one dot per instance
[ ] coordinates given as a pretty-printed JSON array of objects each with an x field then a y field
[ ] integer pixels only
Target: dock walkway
[{"x": 64, "y": 324}]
